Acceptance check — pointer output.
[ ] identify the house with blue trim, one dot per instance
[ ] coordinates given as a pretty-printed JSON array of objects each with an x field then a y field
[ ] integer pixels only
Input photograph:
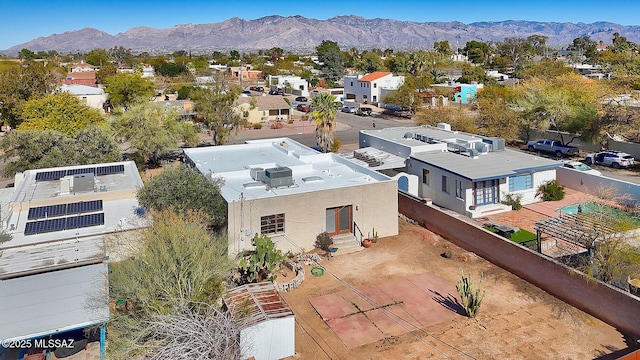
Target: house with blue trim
[
  {"x": 466, "y": 173},
  {"x": 462, "y": 93}
]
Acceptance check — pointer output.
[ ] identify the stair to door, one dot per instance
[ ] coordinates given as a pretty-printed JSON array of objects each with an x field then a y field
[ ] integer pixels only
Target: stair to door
[{"x": 346, "y": 244}]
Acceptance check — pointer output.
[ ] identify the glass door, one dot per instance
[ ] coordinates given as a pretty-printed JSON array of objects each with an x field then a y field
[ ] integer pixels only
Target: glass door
[{"x": 339, "y": 220}]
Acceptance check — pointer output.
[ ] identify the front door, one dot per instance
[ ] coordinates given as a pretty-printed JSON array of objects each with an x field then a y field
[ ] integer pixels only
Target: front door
[
  {"x": 339, "y": 220},
  {"x": 485, "y": 192}
]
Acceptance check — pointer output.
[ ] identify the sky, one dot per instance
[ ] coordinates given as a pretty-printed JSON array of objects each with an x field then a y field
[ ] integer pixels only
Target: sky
[{"x": 25, "y": 20}]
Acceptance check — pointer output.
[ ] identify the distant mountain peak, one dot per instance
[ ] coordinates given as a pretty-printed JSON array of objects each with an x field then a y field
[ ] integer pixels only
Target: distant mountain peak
[{"x": 298, "y": 33}]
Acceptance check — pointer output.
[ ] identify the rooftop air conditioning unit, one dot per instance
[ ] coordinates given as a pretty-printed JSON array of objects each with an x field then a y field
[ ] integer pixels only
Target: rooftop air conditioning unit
[
  {"x": 444, "y": 126},
  {"x": 279, "y": 176}
]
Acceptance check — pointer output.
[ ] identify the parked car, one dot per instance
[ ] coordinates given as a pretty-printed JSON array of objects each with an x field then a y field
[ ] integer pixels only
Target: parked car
[
  {"x": 301, "y": 99},
  {"x": 303, "y": 107},
  {"x": 614, "y": 159},
  {"x": 276, "y": 92},
  {"x": 247, "y": 92},
  {"x": 253, "y": 88},
  {"x": 348, "y": 109},
  {"x": 259, "y": 88},
  {"x": 364, "y": 111},
  {"x": 552, "y": 147},
  {"x": 577, "y": 165}
]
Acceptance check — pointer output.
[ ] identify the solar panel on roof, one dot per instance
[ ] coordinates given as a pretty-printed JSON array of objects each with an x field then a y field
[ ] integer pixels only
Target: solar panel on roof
[
  {"x": 109, "y": 169},
  {"x": 63, "y": 223},
  {"x": 81, "y": 171},
  {"x": 44, "y": 226},
  {"x": 84, "y": 207},
  {"x": 50, "y": 175},
  {"x": 42, "y": 212},
  {"x": 81, "y": 221}
]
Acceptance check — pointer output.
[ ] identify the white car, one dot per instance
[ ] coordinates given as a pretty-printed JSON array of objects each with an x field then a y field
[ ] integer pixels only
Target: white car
[{"x": 577, "y": 165}]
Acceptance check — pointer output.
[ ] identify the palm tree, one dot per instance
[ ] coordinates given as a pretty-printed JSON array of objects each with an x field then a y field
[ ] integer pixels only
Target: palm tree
[{"x": 324, "y": 113}]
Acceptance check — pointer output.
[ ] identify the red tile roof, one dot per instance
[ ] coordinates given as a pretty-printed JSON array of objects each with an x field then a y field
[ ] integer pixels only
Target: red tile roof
[{"x": 374, "y": 76}]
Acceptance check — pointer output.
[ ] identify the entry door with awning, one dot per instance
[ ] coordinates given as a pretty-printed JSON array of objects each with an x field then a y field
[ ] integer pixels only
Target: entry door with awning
[{"x": 339, "y": 220}]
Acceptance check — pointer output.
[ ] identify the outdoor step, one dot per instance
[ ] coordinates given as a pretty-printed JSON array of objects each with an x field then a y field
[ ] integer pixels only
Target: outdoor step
[{"x": 346, "y": 244}]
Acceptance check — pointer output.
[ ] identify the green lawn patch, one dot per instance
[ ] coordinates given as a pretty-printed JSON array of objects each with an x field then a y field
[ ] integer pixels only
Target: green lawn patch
[{"x": 522, "y": 237}]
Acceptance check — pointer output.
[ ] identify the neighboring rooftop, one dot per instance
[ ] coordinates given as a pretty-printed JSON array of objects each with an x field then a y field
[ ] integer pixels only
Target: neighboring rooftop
[
  {"x": 266, "y": 102},
  {"x": 374, "y": 76},
  {"x": 58, "y": 217},
  {"x": 310, "y": 170},
  {"x": 53, "y": 302}
]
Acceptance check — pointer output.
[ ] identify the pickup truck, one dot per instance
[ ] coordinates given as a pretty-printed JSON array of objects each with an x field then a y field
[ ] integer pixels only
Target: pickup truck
[{"x": 552, "y": 147}]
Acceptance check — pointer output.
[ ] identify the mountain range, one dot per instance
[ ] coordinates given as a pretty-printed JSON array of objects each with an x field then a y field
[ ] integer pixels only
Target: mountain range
[{"x": 298, "y": 33}]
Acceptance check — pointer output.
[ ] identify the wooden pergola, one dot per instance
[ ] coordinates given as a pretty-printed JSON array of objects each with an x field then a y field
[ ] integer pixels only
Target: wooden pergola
[{"x": 582, "y": 229}]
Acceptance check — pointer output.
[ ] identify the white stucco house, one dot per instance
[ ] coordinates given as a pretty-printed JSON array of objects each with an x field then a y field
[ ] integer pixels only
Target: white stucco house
[
  {"x": 370, "y": 88},
  {"x": 93, "y": 96},
  {"x": 292, "y": 193},
  {"x": 290, "y": 83},
  {"x": 467, "y": 173}
]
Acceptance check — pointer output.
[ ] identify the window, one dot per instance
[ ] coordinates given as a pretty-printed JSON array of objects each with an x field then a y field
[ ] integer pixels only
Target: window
[
  {"x": 272, "y": 224},
  {"x": 445, "y": 184},
  {"x": 520, "y": 182},
  {"x": 459, "y": 189},
  {"x": 375, "y": 85},
  {"x": 425, "y": 177},
  {"x": 352, "y": 83}
]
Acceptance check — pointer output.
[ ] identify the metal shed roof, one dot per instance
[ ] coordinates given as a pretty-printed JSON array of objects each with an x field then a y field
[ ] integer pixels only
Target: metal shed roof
[
  {"x": 254, "y": 303},
  {"x": 54, "y": 302}
]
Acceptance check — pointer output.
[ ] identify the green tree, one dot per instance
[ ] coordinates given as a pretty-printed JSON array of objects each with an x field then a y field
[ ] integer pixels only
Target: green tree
[
  {"x": 471, "y": 74},
  {"x": 37, "y": 149},
  {"x": 324, "y": 113},
  {"x": 98, "y": 57},
  {"x": 21, "y": 83},
  {"x": 443, "y": 48},
  {"x": 170, "y": 69},
  {"x": 407, "y": 95},
  {"x": 122, "y": 56},
  {"x": 183, "y": 190},
  {"x": 153, "y": 130},
  {"x": 496, "y": 117},
  {"x": 26, "y": 54},
  {"x": 331, "y": 56},
  {"x": 127, "y": 89},
  {"x": 478, "y": 52},
  {"x": 369, "y": 62},
  {"x": 519, "y": 51},
  {"x": 214, "y": 105},
  {"x": 61, "y": 112},
  {"x": 106, "y": 71}
]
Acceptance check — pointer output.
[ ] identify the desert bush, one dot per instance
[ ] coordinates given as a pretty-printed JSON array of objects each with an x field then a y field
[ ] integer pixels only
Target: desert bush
[
  {"x": 551, "y": 191},
  {"x": 471, "y": 297}
]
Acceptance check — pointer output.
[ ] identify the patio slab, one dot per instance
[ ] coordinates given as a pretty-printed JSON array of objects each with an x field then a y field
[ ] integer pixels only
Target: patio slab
[{"x": 388, "y": 309}]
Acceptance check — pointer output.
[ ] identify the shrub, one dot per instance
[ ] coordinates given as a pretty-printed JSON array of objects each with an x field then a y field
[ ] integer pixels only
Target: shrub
[
  {"x": 276, "y": 125},
  {"x": 257, "y": 126},
  {"x": 448, "y": 254},
  {"x": 513, "y": 200},
  {"x": 335, "y": 146},
  {"x": 551, "y": 191},
  {"x": 471, "y": 298},
  {"x": 323, "y": 241}
]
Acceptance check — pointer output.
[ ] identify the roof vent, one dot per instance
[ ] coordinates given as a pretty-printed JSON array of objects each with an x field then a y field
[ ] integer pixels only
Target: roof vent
[
  {"x": 257, "y": 174},
  {"x": 408, "y": 135}
]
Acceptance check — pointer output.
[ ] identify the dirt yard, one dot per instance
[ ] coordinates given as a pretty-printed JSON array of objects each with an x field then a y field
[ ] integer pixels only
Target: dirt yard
[{"x": 517, "y": 320}]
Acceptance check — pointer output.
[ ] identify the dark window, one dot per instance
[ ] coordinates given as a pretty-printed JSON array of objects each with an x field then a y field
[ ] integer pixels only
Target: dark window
[
  {"x": 445, "y": 184},
  {"x": 272, "y": 224},
  {"x": 425, "y": 177}
]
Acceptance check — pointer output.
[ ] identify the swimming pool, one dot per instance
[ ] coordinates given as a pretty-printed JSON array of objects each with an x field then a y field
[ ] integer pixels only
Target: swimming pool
[{"x": 606, "y": 210}]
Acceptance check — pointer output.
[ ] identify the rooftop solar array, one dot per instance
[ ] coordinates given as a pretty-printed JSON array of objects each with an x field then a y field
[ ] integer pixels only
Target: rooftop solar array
[
  {"x": 64, "y": 223},
  {"x": 98, "y": 170},
  {"x": 43, "y": 212}
]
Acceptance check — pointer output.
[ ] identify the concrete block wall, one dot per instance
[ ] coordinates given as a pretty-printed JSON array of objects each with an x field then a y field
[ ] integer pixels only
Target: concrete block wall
[{"x": 611, "y": 305}]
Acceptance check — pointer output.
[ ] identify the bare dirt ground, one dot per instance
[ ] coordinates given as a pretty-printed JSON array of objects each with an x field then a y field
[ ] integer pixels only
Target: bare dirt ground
[{"x": 517, "y": 320}]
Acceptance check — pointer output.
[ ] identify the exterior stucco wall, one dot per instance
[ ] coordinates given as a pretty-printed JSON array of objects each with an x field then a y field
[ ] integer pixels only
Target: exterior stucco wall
[
  {"x": 613, "y": 306},
  {"x": 529, "y": 195},
  {"x": 624, "y": 192},
  {"x": 374, "y": 205}
]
